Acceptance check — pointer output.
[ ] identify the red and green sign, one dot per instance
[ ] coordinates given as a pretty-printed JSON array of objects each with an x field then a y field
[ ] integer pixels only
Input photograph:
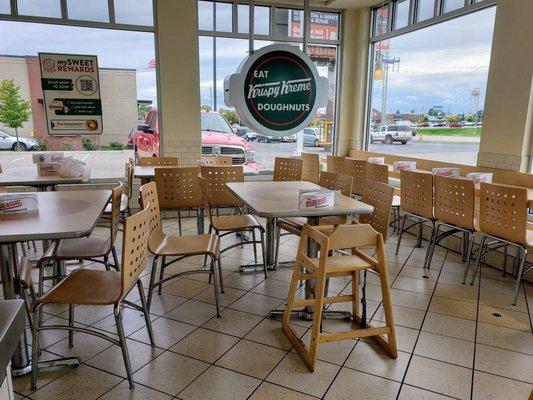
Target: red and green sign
[{"x": 276, "y": 90}]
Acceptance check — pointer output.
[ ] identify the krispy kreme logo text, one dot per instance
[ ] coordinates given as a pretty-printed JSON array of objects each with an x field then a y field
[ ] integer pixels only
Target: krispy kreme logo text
[{"x": 9, "y": 205}]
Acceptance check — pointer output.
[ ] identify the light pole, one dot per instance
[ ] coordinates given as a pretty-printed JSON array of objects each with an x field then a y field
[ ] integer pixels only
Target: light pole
[{"x": 383, "y": 63}]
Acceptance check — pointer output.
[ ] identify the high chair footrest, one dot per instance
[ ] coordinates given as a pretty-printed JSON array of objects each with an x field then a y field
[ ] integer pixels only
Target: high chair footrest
[
  {"x": 327, "y": 300},
  {"x": 355, "y": 334}
]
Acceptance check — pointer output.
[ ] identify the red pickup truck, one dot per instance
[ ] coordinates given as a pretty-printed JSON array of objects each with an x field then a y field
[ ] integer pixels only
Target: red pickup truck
[{"x": 218, "y": 139}]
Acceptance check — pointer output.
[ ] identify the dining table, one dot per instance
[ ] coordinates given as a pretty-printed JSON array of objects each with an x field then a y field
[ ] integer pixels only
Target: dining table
[
  {"x": 60, "y": 215},
  {"x": 28, "y": 176}
]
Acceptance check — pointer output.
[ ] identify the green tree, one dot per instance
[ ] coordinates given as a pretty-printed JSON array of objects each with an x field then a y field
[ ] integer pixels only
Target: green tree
[
  {"x": 206, "y": 107},
  {"x": 14, "y": 111},
  {"x": 470, "y": 118},
  {"x": 230, "y": 115}
]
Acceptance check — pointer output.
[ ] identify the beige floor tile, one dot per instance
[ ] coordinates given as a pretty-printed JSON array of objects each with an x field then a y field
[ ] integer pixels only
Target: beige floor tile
[
  {"x": 225, "y": 299},
  {"x": 443, "y": 348},
  {"x": 404, "y": 298},
  {"x": 510, "y": 339},
  {"x": 419, "y": 273},
  {"x": 439, "y": 377},
  {"x": 350, "y": 384},
  {"x": 368, "y": 357},
  {"x": 219, "y": 383},
  {"x": 167, "y": 332},
  {"x": 85, "y": 346},
  {"x": 334, "y": 352},
  {"x": 273, "y": 288},
  {"x": 506, "y": 318},
  {"x": 293, "y": 373},
  {"x": 500, "y": 294},
  {"x": 269, "y": 391},
  {"x": 414, "y": 284},
  {"x": 410, "y": 393},
  {"x": 82, "y": 383},
  {"x": 408, "y": 317},
  {"x": 269, "y": 332},
  {"x": 251, "y": 358},
  {"x": 449, "y": 326},
  {"x": 193, "y": 312},
  {"x": 111, "y": 360},
  {"x": 170, "y": 372},
  {"x": 163, "y": 303},
  {"x": 48, "y": 338},
  {"x": 123, "y": 392},
  {"x": 453, "y": 308},
  {"x": 256, "y": 304},
  {"x": 505, "y": 363},
  {"x": 406, "y": 338},
  {"x": 88, "y": 315},
  {"x": 185, "y": 288},
  {"x": 454, "y": 278},
  {"x": 457, "y": 292},
  {"x": 233, "y": 322},
  {"x": 243, "y": 281},
  {"x": 492, "y": 387},
  {"x": 205, "y": 345}
]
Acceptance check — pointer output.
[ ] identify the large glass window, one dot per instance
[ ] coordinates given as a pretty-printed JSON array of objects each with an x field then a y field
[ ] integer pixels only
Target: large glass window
[
  {"x": 425, "y": 9},
  {"x": 401, "y": 16},
  {"x": 5, "y": 7},
  {"x": 135, "y": 12},
  {"x": 428, "y": 89},
  {"x": 95, "y": 10},
  {"x": 40, "y": 8}
]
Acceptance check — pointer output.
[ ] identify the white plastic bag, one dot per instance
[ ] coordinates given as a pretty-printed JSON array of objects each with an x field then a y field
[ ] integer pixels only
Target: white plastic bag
[{"x": 72, "y": 168}]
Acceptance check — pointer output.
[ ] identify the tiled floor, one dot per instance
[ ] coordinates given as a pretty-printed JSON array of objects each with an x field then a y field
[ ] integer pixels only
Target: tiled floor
[{"x": 455, "y": 341}]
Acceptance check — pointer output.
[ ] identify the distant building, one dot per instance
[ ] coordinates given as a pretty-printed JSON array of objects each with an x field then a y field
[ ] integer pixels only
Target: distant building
[
  {"x": 411, "y": 117},
  {"x": 118, "y": 89}
]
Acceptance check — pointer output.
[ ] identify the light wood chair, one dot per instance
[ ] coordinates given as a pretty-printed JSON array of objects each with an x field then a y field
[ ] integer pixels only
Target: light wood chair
[
  {"x": 226, "y": 224},
  {"x": 216, "y": 177},
  {"x": 127, "y": 191},
  {"x": 325, "y": 266},
  {"x": 310, "y": 167},
  {"x": 380, "y": 173},
  {"x": 503, "y": 219},
  {"x": 336, "y": 164},
  {"x": 178, "y": 189},
  {"x": 454, "y": 209},
  {"x": 379, "y": 195},
  {"x": 287, "y": 169},
  {"x": 220, "y": 160},
  {"x": 416, "y": 203},
  {"x": 357, "y": 170},
  {"x": 178, "y": 248},
  {"x": 158, "y": 161},
  {"x": 90, "y": 287}
]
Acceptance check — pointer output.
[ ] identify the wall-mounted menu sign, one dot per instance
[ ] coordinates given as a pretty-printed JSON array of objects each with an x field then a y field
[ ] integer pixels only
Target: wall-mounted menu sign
[{"x": 71, "y": 89}]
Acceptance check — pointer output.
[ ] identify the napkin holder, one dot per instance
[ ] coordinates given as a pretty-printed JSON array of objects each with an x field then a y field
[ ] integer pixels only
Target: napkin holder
[
  {"x": 449, "y": 172},
  {"x": 17, "y": 203},
  {"x": 316, "y": 199}
]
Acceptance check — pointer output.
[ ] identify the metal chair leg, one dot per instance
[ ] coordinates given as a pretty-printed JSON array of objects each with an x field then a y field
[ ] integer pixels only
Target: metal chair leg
[
  {"x": 431, "y": 247},
  {"x": 478, "y": 261},
  {"x": 469, "y": 256},
  {"x": 420, "y": 232},
  {"x": 179, "y": 222},
  {"x": 151, "y": 285},
  {"x": 402, "y": 228},
  {"x": 71, "y": 324},
  {"x": 264, "y": 253},
  {"x": 106, "y": 263},
  {"x": 220, "y": 275},
  {"x": 505, "y": 261},
  {"x": 145, "y": 312},
  {"x": 115, "y": 258},
  {"x": 161, "y": 275},
  {"x": 215, "y": 286},
  {"x": 123, "y": 345},
  {"x": 255, "y": 245},
  {"x": 519, "y": 275},
  {"x": 276, "y": 254}
]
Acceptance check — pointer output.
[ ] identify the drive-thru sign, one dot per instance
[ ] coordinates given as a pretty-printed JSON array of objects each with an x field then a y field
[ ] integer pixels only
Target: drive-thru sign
[
  {"x": 276, "y": 90},
  {"x": 71, "y": 91}
]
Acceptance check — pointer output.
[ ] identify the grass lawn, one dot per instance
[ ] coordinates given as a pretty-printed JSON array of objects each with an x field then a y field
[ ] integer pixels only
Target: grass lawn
[{"x": 468, "y": 131}]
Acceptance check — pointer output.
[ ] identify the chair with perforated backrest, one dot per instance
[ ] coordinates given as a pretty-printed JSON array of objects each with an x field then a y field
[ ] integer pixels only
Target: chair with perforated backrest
[
  {"x": 503, "y": 218},
  {"x": 454, "y": 201},
  {"x": 178, "y": 190},
  {"x": 216, "y": 177},
  {"x": 336, "y": 164},
  {"x": 310, "y": 167},
  {"x": 287, "y": 169},
  {"x": 327, "y": 265},
  {"x": 379, "y": 195},
  {"x": 226, "y": 224},
  {"x": 177, "y": 248},
  {"x": 357, "y": 170},
  {"x": 416, "y": 204},
  {"x": 220, "y": 160},
  {"x": 91, "y": 287},
  {"x": 336, "y": 181},
  {"x": 158, "y": 161}
]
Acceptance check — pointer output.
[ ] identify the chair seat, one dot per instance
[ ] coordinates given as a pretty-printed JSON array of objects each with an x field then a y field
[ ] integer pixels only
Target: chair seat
[
  {"x": 396, "y": 201},
  {"x": 235, "y": 222},
  {"x": 79, "y": 248},
  {"x": 123, "y": 204},
  {"x": 168, "y": 245},
  {"x": 339, "y": 265},
  {"x": 85, "y": 287},
  {"x": 294, "y": 225}
]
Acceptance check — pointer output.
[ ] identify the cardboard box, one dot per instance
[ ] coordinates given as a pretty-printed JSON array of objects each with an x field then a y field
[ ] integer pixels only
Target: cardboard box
[
  {"x": 399, "y": 165},
  {"x": 18, "y": 203},
  {"x": 48, "y": 158},
  {"x": 48, "y": 169}
]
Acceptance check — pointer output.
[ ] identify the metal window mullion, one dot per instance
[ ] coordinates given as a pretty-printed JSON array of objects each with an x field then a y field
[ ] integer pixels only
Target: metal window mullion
[
  {"x": 307, "y": 24},
  {"x": 251, "y": 26},
  {"x": 412, "y": 12},
  {"x": 14, "y": 7},
  {"x": 390, "y": 13},
  {"x": 393, "y": 6},
  {"x": 234, "y": 17},
  {"x": 111, "y": 10},
  {"x": 438, "y": 8},
  {"x": 271, "y": 22},
  {"x": 64, "y": 9}
]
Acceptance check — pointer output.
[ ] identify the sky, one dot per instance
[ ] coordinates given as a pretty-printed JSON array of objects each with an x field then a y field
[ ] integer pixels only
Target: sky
[{"x": 439, "y": 65}]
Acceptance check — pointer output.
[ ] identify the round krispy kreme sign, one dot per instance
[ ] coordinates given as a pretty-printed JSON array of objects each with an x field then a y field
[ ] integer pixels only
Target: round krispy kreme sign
[{"x": 276, "y": 91}]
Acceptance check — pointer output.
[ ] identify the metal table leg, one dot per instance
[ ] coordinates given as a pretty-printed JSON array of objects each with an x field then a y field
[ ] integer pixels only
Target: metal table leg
[
  {"x": 200, "y": 221},
  {"x": 270, "y": 245},
  {"x": 20, "y": 362}
]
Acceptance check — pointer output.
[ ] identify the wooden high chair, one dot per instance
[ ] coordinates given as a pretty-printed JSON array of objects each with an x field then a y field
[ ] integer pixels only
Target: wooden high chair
[{"x": 319, "y": 269}]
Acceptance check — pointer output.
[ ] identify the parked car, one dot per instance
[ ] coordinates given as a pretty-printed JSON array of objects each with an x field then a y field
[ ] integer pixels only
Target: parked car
[
  {"x": 217, "y": 139},
  {"x": 290, "y": 139},
  {"x": 456, "y": 124},
  {"x": 267, "y": 138},
  {"x": 131, "y": 135},
  {"x": 389, "y": 134},
  {"x": 8, "y": 142},
  {"x": 311, "y": 138},
  {"x": 246, "y": 133}
]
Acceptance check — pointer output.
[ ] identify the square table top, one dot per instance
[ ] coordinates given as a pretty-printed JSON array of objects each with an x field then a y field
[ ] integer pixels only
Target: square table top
[
  {"x": 28, "y": 176},
  {"x": 61, "y": 215},
  {"x": 281, "y": 199}
]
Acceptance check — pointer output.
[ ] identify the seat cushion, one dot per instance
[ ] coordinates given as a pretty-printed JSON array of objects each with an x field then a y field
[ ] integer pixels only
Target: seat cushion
[
  {"x": 79, "y": 248},
  {"x": 235, "y": 222},
  {"x": 168, "y": 245},
  {"x": 85, "y": 287}
]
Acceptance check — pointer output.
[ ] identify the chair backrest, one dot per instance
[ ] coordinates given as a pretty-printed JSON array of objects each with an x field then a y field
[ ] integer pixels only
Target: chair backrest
[
  {"x": 454, "y": 201},
  {"x": 158, "y": 161},
  {"x": 116, "y": 199},
  {"x": 148, "y": 193},
  {"x": 357, "y": 170},
  {"x": 503, "y": 212},
  {"x": 379, "y": 195},
  {"x": 335, "y": 181},
  {"x": 178, "y": 187},
  {"x": 216, "y": 177},
  {"x": 417, "y": 193},
  {"x": 287, "y": 169},
  {"x": 377, "y": 172},
  {"x": 310, "y": 167},
  {"x": 129, "y": 169},
  {"x": 220, "y": 160},
  {"x": 336, "y": 164},
  {"x": 205, "y": 196},
  {"x": 134, "y": 247}
]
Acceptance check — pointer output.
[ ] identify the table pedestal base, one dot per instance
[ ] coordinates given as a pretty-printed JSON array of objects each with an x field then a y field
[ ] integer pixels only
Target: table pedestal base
[
  {"x": 307, "y": 315},
  {"x": 59, "y": 362}
]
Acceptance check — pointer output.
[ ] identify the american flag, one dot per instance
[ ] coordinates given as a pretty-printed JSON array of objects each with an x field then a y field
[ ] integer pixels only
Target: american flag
[{"x": 151, "y": 64}]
